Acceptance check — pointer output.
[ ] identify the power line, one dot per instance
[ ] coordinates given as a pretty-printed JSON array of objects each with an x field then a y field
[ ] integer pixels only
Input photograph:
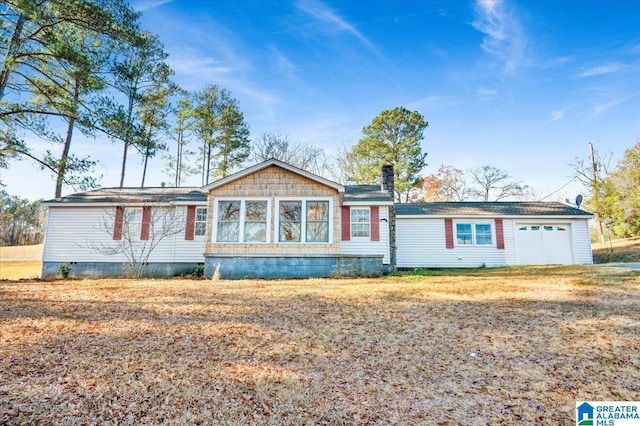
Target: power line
[{"x": 559, "y": 189}]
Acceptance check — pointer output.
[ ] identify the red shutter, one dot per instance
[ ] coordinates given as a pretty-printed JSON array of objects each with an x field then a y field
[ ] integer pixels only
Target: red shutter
[
  {"x": 375, "y": 223},
  {"x": 448, "y": 232},
  {"x": 499, "y": 234},
  {"x": 191, "y": 223},
  {"x": 117, "y": 225},
  {"x": 146, "y": 222},
  {"x": 346, "y": 223}
]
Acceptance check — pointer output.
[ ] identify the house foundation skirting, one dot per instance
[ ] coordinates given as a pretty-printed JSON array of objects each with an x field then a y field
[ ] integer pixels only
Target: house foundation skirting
[
  {"x": 118, "y": 269},
  {"x": 292, "y": 266}
]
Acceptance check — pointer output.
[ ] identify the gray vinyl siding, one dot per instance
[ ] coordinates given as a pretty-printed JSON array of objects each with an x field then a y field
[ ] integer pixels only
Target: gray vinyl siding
[{"x": 363, "y": 248}]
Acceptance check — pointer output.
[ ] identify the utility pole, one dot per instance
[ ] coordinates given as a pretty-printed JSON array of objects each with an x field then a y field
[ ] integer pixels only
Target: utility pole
[{"x": 596, "y": 192}]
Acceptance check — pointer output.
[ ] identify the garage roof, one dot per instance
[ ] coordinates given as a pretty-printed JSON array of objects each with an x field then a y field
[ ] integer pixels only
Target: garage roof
[{"x": 489, "y": 208}]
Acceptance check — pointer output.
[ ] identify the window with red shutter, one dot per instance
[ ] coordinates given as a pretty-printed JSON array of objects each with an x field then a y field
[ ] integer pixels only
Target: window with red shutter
[
  {"x": 375, "y": 223},
  {"x": 346, "y": 223},
  {"x": 117, "y": 226}
]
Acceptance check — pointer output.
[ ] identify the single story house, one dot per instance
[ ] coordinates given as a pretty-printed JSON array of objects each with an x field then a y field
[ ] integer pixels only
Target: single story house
[{"x": 273, "y": 220}]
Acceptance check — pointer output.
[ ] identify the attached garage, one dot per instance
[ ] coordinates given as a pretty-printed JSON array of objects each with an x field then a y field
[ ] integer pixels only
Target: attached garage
[
  {"x": 473, "y": 234},
  {"x": 543, "y": 243}
]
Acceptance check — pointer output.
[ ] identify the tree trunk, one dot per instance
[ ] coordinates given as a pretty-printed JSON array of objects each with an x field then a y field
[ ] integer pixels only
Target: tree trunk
[
  {"x": 179, "y": 159},
  {"x": 146, "y": 156},
  {"x": 144, "y": 168},
  {"x": 126, "y": 141},
  {"x": 62, "y": 166},
  {"x": 12, "y": 49}
]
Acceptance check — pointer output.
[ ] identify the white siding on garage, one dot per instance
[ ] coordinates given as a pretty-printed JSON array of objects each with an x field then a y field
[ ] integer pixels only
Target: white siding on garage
[
  {"x": 360, "y": 247},
  {"x": 73, "y": 232},
  {"x": 581, "y": 242},
  {"x": 421, "y": 243}
]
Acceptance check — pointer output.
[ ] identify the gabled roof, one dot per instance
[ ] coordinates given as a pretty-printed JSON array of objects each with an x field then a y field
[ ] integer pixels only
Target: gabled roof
[
  {"x": 269, "y": 163},
  {"x": 133, "y": 196},
  {"x": 489, "y": 208},
  {"x": 366, "y": 194}
]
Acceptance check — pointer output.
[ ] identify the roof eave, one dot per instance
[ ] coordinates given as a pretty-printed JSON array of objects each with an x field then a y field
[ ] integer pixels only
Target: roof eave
[{"x": 493, "y": 215}]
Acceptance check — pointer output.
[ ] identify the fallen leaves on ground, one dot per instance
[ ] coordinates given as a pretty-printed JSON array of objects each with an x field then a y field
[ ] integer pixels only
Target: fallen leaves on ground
[{"x": 497, "y": 348}]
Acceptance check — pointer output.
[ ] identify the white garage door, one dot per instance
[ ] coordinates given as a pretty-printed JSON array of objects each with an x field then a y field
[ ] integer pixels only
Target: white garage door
[{"x": 543, "y": 243}]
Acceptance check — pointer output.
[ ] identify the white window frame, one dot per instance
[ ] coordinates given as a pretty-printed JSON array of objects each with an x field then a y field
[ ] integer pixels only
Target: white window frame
[
  {"x": 243, "y": 202},
  {"x": 351, "y": 223},
  {"x": 474, "y": 241},
  {"x": 303, "y": 224},
  {"x": 203, "y": 222}
]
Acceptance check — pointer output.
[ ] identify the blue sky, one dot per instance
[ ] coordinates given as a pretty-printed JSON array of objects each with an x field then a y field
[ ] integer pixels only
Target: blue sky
[{"x": 520, "y": 85}]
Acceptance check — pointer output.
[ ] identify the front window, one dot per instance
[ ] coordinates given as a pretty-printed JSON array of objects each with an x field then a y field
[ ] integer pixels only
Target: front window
[
  {"x": 360, "y": 222},
  {"x": 241, "y": 221},
  {"x": 318, "y": 221},
  {"x": 255, "y": 222},
  {"x": 201, "y": 221},
  {"x": 479, "y": 234},
  {"x": 304, "y": 221},
  {"x": 290, "y": 221},
  {"x": 228, "y": 221}
]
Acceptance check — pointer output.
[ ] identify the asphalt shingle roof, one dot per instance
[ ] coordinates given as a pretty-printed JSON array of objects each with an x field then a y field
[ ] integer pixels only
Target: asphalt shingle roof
[
  {"x": 133, "y": 195},
  {"x": 371, "y": 193},
  {"x": 490, "y": 208}
]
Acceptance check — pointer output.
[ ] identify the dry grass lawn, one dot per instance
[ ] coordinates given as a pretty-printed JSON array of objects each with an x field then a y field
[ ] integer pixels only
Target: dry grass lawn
[
  {"x": 624, "y": 250},
  {"x": 505, "y": 346}
]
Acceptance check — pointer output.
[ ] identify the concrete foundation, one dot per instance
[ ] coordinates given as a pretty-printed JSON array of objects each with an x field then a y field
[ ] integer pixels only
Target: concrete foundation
[
  {"x": 118, "y": 269},
  {"x": 270, "y": 267}
]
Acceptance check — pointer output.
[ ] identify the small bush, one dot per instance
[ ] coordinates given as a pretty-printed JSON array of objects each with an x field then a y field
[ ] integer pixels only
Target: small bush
[{"x": 65, "y": 271}]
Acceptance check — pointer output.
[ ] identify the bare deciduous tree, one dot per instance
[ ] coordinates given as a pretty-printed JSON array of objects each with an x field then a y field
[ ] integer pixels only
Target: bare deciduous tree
[
  {"x": 130, "y": 242},
  {"x": 494, "y": 184},
  {"x": 298, "y": 154}
]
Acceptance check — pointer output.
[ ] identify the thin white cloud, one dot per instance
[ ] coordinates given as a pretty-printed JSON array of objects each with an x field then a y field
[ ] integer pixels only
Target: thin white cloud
[
  {"x": 144, "y": 5},
  {"x": 599, "y": 109},
  {"x": 559, "y": 114},
  {"x": 486, "y": 92},
  {"x": 205, "y": 68},
  {"x": 324, "y": 14},
  {"x": 194, "y": 71},
  {"x": 431, "y": 103},
  {"x": 280, "y": 63},
  {"x": 601, "y": 69},
  {"x": 504, "y": 37}
]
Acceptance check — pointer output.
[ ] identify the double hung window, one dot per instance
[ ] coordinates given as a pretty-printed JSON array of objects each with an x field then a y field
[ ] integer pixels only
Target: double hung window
[
  {"x": 479, "y": 234},
  {"x": 303, "y": 221},
  {"x": 360, "y": 222},
  {"x": 200, "y": 224},
  {"x": 248, "y": 216}
]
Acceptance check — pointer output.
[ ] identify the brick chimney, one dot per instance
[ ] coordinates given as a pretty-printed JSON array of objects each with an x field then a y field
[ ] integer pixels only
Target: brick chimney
[{"x": 388, "y": 185}]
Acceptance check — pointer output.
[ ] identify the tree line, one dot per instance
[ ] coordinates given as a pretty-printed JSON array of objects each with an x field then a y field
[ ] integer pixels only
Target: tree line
[{"x": 87, "y": 66}]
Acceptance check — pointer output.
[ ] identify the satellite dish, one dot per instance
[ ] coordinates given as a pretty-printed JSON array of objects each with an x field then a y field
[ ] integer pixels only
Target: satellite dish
[{"x": 579, "y": 200}]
